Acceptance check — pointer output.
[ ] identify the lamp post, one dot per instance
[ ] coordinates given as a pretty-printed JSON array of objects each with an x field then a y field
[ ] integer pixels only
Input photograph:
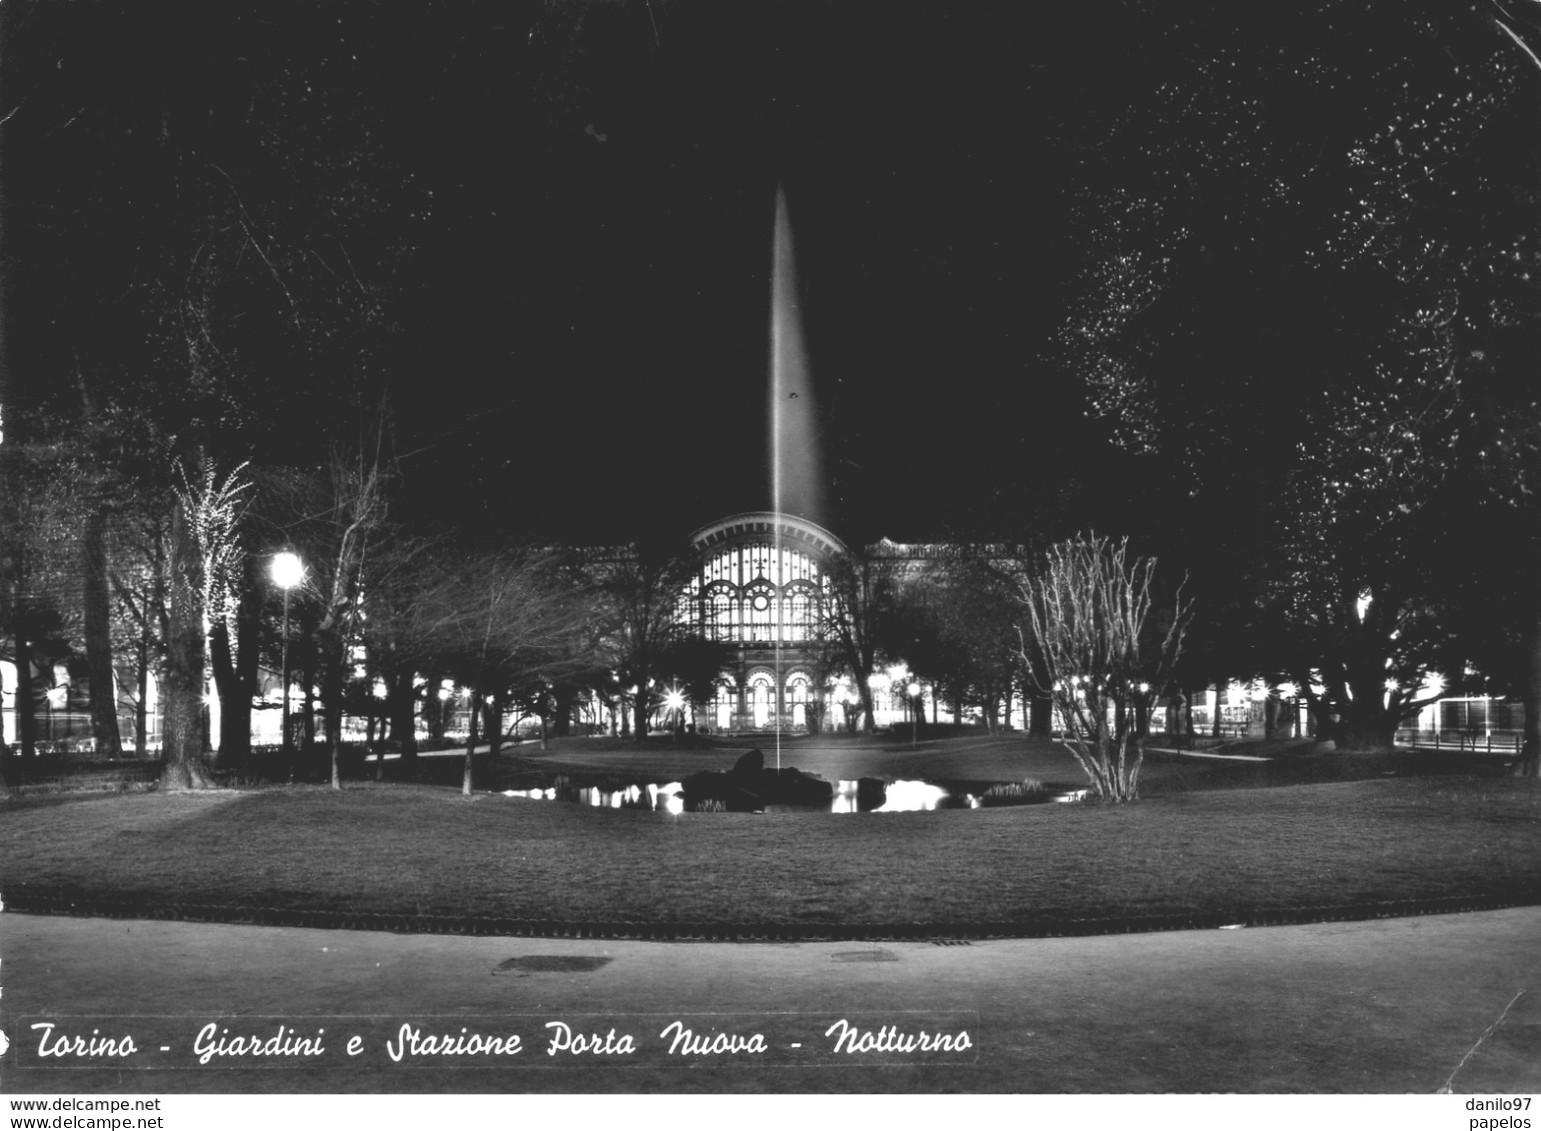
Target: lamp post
[
  {"x": 675, "y": 701},
  {"x": 876, "y": 682},
  {"x": 288, "y": 571},
  {"x": 914, "y": 690}
]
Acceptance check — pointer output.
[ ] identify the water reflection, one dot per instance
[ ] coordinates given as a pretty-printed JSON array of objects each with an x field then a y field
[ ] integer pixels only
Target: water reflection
[
  {"x": 862, "y": 795},
  {"x": 912, "y": 797},
  {"x": 532, "y": 794}
]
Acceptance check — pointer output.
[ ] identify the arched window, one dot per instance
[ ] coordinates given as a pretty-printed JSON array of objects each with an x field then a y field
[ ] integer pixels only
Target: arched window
[
  {"x": 762, "y": 691},
  {"x": 760, "y": 612},
  {"x": 802, "y": 611},
  {"x": 757, "y": 563},
  {"x": 724, "y": 702},
  {"x": 721, "y": 604},
  {"x": 798, "y": 689},
  {"x": 688, "y": 609}
]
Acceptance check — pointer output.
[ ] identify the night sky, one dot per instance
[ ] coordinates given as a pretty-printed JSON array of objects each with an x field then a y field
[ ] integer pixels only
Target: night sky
[{"x": 562, "y": 214}]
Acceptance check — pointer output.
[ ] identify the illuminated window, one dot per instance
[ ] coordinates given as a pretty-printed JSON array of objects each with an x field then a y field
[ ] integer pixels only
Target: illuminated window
[
  {"x": 761, "y": 691},
  {"x": 798, "y": 686},
  {"x": 721, "y": 606},
  {"x": 760, "y": 612},
  {"x": 802, "y": 611},
  {"x": 724, "y": 702}
]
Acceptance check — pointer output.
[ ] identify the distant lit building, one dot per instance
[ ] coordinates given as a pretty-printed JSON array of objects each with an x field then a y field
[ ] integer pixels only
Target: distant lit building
[{"x": 762, "y": 586}]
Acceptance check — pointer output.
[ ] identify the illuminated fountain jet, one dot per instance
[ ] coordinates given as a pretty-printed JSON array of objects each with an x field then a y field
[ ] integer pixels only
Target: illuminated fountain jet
[{"x": 797, "y": 474}]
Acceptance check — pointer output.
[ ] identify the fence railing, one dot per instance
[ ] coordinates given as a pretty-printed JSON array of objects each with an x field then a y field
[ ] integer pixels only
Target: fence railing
[{"x": 1477, "y": 741}]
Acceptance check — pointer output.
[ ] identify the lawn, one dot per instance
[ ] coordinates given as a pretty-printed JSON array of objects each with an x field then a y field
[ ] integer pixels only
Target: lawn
[{"x": 1324, "y": 848}]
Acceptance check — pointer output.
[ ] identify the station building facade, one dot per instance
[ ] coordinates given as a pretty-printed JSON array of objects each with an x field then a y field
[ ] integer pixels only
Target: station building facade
[{"x": 762, "y": 587}]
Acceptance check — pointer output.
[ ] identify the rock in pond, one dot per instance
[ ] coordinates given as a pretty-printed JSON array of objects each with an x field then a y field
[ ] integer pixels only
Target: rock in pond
[
  {"x": 745, "y": 790},
  {"x": 749, "y": 764},
  {"x": 870, "y": 794}
]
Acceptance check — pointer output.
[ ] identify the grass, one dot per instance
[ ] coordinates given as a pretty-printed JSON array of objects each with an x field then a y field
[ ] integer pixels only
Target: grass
[{"x": 1209, "y": 840}]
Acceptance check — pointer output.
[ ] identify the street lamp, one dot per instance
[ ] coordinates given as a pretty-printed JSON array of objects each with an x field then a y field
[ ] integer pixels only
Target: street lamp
[
  {"x": 675, "y": 702},
  {"x": 914, "y": 690},
  {"x": 288, "y": 571}
]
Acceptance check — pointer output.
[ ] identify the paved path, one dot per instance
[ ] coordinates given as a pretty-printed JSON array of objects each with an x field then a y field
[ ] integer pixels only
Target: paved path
[{"x": 1408, "y": 1005}]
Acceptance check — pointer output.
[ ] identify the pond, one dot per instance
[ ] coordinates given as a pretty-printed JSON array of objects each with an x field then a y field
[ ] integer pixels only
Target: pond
[{"x": 864, "y": 795}]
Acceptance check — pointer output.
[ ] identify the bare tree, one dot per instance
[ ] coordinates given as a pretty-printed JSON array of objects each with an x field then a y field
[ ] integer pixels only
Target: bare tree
[
  {"x": 496, "y": 620},
  {"x": 858, "y": 619},
  {"x": 204, "y": 559},
  {"x": 357, "y": 512},
  {"x": 1086, "y": 625},
  {"x": 635, "y": 596}
]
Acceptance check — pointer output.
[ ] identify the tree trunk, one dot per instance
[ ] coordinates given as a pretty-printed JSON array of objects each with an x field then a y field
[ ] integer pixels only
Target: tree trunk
[
  {"x": 98, "y": 637},
  {"x": 1529, "y": 765},
  {"x": 332, "y": 682},
  {"x": 1040, "y": 714},
  {"x": 182, "y": 687},
  {"x": 495, "y": 726},
  {"x": 434, "y": 709},
  {"x": 1271, "y": 715},
  {"x": 308, "y": 702},
  {"x": 1365, "y": 727},
  {"x": 401, "y": 709},
  {"x": 235, "y": 711},
  {"x": 142, "y": 704},
  {"x": 639, "y": 707},
  {"x": 222, "y": 663},
  {"x": 26, "y": 706},
  {"x": 561, "y": 724}
]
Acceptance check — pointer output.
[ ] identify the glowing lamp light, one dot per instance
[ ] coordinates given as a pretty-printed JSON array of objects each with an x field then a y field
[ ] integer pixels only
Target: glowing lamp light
[
  {"x": 1362, "y": 605},
  {"x": 674, "y": 700},
  {"x": 913, "y": 689},
  {"x": 287, "y": 570}
]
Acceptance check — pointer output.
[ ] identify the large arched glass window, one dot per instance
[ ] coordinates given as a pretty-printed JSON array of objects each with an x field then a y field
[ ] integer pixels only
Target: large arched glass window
[
  {"x": 756, "y": 593},
  {"x": 724, "y": 702},
  {"x": 721, "y": 604},
  {"x": 758, "y": 561},
  {"x": 802, "y": 611},
  {"x": 760, "y": 612},
  {"x": 762, "y": 690},
  {"x": 798, "y": 689},
  {"x": 688, "y": 608}
]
